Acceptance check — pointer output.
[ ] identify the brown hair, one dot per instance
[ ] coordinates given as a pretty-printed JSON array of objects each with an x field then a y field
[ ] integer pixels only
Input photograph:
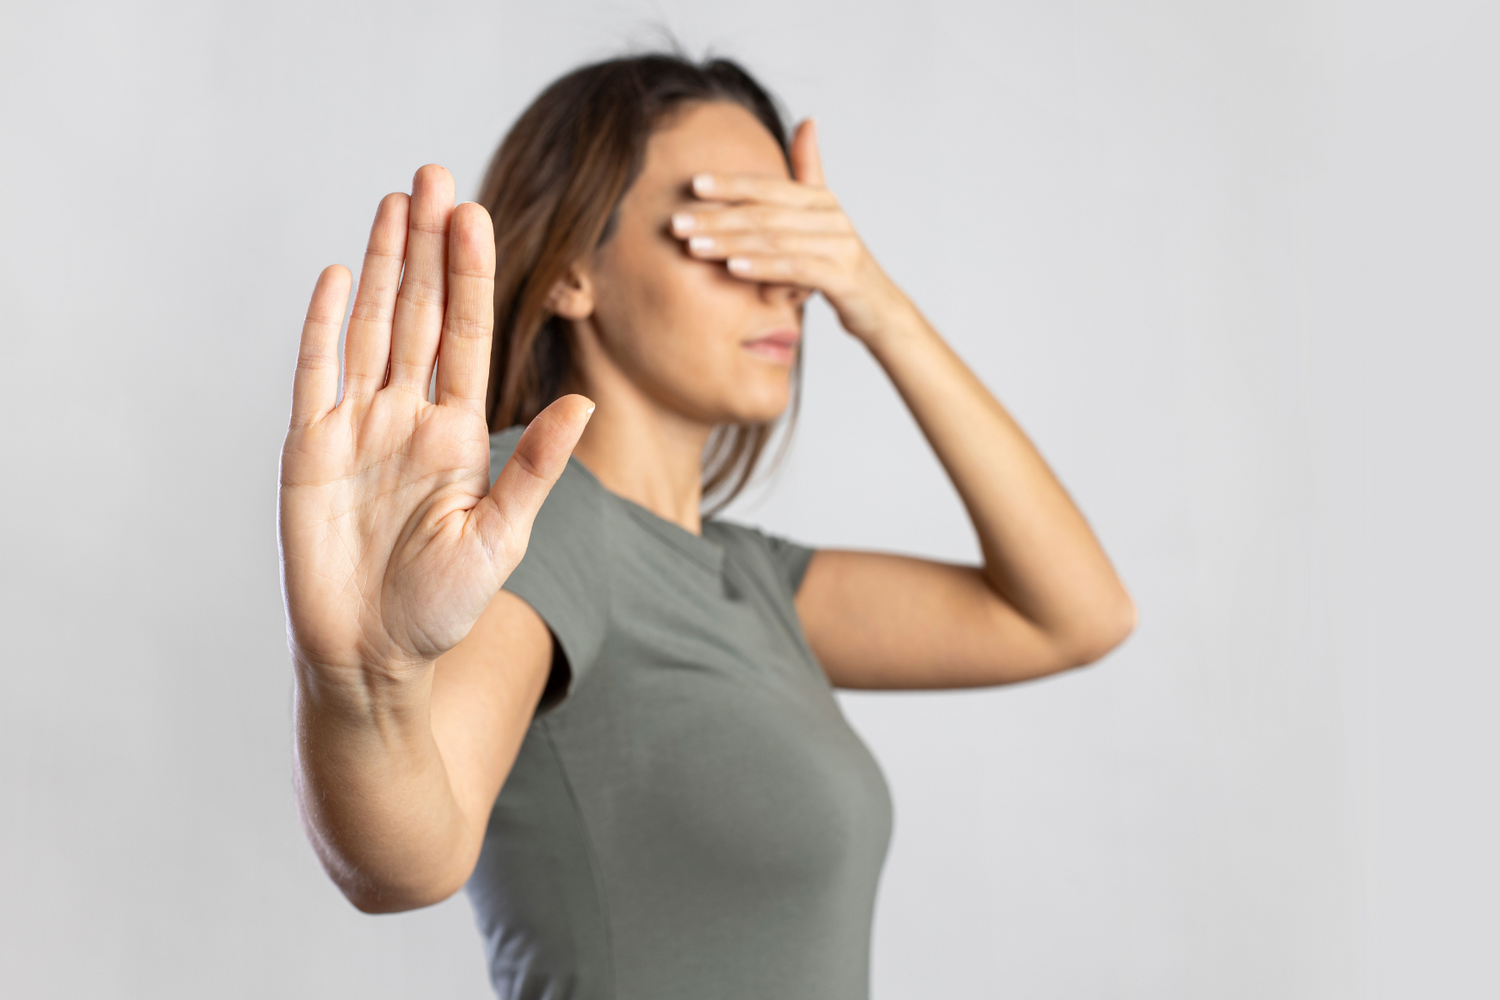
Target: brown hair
[{"x": 553, "y": 189}]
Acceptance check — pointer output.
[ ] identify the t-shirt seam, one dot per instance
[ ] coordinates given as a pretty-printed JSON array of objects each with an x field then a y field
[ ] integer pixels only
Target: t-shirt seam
[
  {"x": 577, "y": 682},
  {"x": 595, "y": 869}
]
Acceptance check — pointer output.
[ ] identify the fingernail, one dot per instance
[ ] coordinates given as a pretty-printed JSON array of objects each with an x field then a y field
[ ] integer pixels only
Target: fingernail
[
  {"x": 682, "y": 222},
  {"x": 589, "y": 412},
  {"x": 700, "y": 244},
  {"x": 703, "y": 183},
  {"x": 739, "y": 265}
]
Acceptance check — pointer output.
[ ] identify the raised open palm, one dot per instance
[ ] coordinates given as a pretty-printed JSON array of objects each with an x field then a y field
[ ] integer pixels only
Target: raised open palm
[{"x": 392, "y": 541}]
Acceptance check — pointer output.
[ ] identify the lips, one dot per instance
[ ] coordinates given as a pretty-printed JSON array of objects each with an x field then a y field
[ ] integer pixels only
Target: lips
[{"x": 779, "y": 346}]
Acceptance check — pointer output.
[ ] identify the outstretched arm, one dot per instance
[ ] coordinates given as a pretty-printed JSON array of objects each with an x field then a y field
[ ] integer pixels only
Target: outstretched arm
[
  {"x": 1046, "y": 597},
  {"x": 393, "y": 544}
]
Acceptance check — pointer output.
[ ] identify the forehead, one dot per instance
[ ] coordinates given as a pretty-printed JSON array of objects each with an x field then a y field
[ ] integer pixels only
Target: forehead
[{"x": 718, "y": 137}]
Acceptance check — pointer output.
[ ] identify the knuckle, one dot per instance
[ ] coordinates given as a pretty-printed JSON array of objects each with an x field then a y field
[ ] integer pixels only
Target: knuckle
[
  {"x": 372, "y": 312},
  {"x": 526, "y": 466},
  {"x": 467, "y": 326},
  {"x": 422, "y": 292}
]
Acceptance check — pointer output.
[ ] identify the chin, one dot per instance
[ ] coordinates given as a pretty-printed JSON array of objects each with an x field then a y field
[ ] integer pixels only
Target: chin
[
  {"x": 737, "y": 395},
  {"x": 742, "y": 411},
  {"x": 764, "y": 395},
  {"x": 758, "y": 407}
]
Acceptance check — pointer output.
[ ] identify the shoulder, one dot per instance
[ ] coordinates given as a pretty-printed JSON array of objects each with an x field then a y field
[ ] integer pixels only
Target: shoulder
[
  {"x": 564, "y": 575},
  {"x": 768, "y": 553}
]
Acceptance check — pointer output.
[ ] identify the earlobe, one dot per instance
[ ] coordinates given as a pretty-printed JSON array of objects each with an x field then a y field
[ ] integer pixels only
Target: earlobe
[{"x": 572, "y": 295}]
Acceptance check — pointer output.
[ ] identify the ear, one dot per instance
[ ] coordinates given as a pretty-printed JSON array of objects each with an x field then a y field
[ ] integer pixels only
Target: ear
[{"x": 572, "y": 295}]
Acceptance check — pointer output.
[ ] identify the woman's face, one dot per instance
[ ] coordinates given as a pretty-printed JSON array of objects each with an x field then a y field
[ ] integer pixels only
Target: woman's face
[{"x": 695, "y": 339}]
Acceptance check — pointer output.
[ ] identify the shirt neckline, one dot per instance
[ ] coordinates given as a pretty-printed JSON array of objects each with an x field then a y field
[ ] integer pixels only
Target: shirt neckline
[{"x": 699, "y": 548}]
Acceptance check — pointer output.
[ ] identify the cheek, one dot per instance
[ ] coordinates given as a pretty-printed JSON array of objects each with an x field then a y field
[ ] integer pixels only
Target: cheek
[
  {"x": 714, "y": 313},
  {"x": 675, "y": 326},
  {"x": 685, "y": 322}
]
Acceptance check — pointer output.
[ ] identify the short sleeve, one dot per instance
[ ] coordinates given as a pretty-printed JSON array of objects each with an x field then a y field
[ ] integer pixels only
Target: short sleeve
[
  {"x": 786, "y": 559},
  {"x": 791, "y": 559},
  {"x": 564, "y": 574}
]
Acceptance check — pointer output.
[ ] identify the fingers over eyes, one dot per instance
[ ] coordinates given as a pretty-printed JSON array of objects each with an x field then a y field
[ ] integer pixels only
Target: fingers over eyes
[
  {"x": 830, "y": 247},
  {"x": 418, "y": 320},
  {"x": 761, "y": 187},
  {"x": 367, "y": 348},
  {"x": 714, "y": 219},
  {"x": 807, "y": 271}
]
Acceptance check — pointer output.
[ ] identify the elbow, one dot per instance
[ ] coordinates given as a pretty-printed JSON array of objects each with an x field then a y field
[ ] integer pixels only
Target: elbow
[
  {"x": 1105, "y": 631},
  {"x": 376, "y": 900},
  {"x": 370, "y": 889},
  {"x": 373, "y": 902},
  {"x": 376, "y": 904}
]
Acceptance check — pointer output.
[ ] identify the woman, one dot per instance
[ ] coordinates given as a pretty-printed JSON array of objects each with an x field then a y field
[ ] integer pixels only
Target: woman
[{"x": 631, "y": 753}]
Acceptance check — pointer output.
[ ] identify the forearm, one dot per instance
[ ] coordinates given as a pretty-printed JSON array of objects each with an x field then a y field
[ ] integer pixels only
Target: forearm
[
  {"x": 374, "y": 793},
  {"x": 1039, "y": 554}
]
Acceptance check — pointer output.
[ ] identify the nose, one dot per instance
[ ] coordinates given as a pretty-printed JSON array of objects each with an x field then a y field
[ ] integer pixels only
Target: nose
[{"x": 792, "y": 295}]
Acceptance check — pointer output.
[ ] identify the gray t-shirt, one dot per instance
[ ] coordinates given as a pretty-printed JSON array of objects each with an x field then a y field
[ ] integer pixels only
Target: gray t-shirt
[{"x": 691, "y": 818}]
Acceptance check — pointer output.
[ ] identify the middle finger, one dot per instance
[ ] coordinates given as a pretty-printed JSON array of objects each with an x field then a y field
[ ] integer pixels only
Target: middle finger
[{"x": 424, "y": 289}]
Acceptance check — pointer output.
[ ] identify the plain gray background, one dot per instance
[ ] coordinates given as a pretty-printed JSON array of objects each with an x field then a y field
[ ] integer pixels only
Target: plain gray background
[{"x": 1234, "y": 265}]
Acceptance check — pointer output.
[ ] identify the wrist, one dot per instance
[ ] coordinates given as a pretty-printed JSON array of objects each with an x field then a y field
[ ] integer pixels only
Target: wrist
[
  {"x": 900, "y": 325},
  {"x": 873, "y": 309},
  {"x": 363, "y": 694}
]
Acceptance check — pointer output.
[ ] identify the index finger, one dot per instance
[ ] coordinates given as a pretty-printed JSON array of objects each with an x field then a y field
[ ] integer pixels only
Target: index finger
[
  {"x": 464, "y": 355},
  {"x": 761, "y": 187}
]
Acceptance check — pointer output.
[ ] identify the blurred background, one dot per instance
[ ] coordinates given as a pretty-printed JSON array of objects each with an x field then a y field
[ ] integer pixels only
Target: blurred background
[{"x": 1233, "y": 264}]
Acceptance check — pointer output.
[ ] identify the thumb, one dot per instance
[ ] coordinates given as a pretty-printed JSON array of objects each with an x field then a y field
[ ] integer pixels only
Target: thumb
[
  {"x": 807, "y": 162},
  {"x": 504, "y": 518}
]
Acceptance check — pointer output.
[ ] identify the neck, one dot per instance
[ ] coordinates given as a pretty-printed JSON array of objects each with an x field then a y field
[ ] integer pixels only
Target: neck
[{"x": 639, "y": 449}]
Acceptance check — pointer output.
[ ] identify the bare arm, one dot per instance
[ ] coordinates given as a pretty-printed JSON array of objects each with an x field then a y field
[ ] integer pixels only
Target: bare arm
[
  {"x": 394, "y": 546},
  {"x": 396, "y": 808},
  {"x": 1046, "y": 597}
]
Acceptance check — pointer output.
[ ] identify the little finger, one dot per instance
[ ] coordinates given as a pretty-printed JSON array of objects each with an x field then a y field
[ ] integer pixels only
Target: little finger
[{"x": 316, "y": 384}]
